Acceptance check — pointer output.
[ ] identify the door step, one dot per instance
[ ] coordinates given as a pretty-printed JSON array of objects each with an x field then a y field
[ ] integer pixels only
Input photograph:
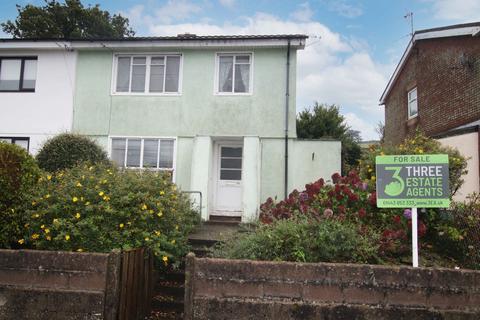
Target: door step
[{"x": 218, "y": 219}]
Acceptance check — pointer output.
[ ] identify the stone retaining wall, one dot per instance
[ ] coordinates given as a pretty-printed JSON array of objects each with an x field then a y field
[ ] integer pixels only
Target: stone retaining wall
[
  {"x": 58, "y": 285},
  {"x": 242, "y": 289}
]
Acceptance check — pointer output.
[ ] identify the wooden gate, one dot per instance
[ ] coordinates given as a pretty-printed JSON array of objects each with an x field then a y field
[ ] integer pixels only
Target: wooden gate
[{"x": 136, "y": 281}]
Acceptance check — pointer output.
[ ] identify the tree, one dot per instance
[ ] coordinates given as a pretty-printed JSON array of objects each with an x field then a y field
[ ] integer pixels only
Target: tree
[
  {"x": 69, "y": 20},
  {"x": 325, "y": 121}
]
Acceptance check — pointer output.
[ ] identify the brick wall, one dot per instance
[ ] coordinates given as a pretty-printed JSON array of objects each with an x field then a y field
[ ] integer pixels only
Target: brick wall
[
  {"x": 446, "y": 72},
  {"x": 242, "y": 289}
]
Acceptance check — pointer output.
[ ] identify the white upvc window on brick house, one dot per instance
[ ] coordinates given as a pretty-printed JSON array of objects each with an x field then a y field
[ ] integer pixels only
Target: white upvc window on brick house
[
  {"x": 233, "y": 73},
  {"x": 143, "y": 153},
  {"x": 147, "y": 74},
  {"x": 412, "y": 103}
]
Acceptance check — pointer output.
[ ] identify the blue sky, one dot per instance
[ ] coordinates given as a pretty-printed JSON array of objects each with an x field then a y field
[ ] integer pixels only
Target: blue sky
[{"x": 354, "y": 45}]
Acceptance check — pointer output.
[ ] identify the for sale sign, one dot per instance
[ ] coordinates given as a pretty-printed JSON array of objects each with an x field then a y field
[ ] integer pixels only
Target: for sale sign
[{"x": 407, "y": 181}]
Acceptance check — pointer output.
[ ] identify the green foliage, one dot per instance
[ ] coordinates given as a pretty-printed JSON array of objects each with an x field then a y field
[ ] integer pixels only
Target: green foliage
[
  {"x": 99, "y": 208},
  {"x": 418, "y": 144},
  {"x": 18, "y": 175},
  {"x": 325, "y": 121},
  {"x": 66, "y": 150},
  {"x": 303, "y": 240},
  {"x": 69, "y": 20}
]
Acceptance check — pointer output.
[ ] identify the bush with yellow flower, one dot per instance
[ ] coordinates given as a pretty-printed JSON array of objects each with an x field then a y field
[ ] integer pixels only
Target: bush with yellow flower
[{"x": 100, "y": 208}]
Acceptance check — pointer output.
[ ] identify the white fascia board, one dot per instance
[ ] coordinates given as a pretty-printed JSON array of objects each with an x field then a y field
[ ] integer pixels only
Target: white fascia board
[
  {"x": 195, "y": 44},
  {"x": 465, "y": 31},
  {"x": 34, "y": 45}
]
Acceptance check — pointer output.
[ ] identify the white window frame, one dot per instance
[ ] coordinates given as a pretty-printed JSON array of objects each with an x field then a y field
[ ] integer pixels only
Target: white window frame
[
  {"x": 142, "y": 139},
  {"x": 217, "y": 71},
  {"x": 147, "y": 74},
  {"x": 410, "y": 101}
]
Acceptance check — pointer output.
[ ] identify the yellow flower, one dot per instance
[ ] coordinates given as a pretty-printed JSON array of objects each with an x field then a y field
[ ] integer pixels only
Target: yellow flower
[
  {"x": 165, "y": 259},
  {"x": 144, "y": 207},
  {"x": 35, "y": 236},
  {"x": 49, "y": 177},
  {"x": 173, "y": 241},
  {"x": 382, "y": 153},
  {"x": 157, "y": 233},
  {"x": 36, "y": 215},
  {"x": 47, "y": 196},
  {"x": 47, "y": 230},
  {"x": 101, "y": 193},
  {"x": 373, "y": 178},
  {"x": 33, "y": 203},
  {"x": 90, "y": 169},
  {"x": 106, "y": 198},
  {"x": 162, "y": 193},
  {"x": 420, "y": 151},
  {"x": 129, "y": 223},
  {"x": 67, "y": 237},
  {"x": 121, "y": 225},
  {"x": 176, "y": 227},
  {"x": 147, "y": 239},
  {"x": 48, "y": 238},
  {"x": 21, "y": 241},
  {"x": 26, "y": 225},
  {"x": 87, "y": 203},
  {"x": 42, "y": 226},
  {"x": 150, "y": 211},
  {"x": 78, "y": 184},
  {"x": 104, "y": 181},
  {"x": 74, "y": 199},
  {"x": 77, "y": 215},
  {"x": 370, "y": 170},
  {"x": 79, "y": 250},
  {"x": 55, "y": 221},
  {"x": 160, "y": 214}
]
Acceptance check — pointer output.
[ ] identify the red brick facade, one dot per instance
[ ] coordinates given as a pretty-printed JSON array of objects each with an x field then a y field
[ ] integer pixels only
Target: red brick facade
[{"x": 446, "y": 72}]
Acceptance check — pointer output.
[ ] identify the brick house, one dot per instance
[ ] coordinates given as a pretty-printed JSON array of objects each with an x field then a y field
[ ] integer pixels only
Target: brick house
[{"x": 436, "y": 88}]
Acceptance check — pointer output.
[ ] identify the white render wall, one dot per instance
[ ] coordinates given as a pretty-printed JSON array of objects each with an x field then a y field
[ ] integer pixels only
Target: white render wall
[{"x": 48, "y": 110}]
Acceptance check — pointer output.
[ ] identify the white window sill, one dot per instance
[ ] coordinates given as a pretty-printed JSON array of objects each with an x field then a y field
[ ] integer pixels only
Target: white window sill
[
  {"x": 139, "y": 94},
  {"x": 233, "y": 93},
  {"x": 412, "y": 117}
]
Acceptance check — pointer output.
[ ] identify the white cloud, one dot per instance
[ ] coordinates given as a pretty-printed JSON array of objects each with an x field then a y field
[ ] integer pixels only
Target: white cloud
[
  {"x": 175, "y": 10},
  {"x": 303, "y": 13},
  {"x": 344, "y": 9},
  {"x": 367, "y": 130},
  {"x": 331, "y": 69},
  {"x": 227, "y": 3},
  {"x": 458, "y": 10}
]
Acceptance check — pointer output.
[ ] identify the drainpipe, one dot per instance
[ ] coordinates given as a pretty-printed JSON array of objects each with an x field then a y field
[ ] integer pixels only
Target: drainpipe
[{"x": 287, "y": 100}]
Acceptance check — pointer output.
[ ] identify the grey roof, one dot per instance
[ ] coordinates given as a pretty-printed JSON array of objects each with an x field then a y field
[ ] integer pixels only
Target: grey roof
[
  {"x": 179, "y": 37},
  {"x": 455, "y": 26}
]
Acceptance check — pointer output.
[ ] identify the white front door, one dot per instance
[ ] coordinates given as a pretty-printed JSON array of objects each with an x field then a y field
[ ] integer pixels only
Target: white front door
[{"x": 228, "y": 193}]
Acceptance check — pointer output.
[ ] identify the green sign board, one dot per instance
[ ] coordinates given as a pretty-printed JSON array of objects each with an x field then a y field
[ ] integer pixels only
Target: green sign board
[{"x": 412, "y": 181}]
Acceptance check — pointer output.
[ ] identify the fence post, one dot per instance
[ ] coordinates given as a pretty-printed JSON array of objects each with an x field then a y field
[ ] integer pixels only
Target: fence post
[
  {"x": 189, "y": 286},
  {"x": 112, "y": 290}
]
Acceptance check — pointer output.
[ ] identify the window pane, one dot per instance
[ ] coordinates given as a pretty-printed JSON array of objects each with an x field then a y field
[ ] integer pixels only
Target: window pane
[
  {"x": 231, "y": 163},
  {"x": 242, "y": 77},
  {"x": 10, "y": 74},
  {"x": 242, "y": 59},
  {"x": 412, "y": 95},
  {"x": 7, "y": 140},
  {"x": 29, "y": 74},
  {"x": 133, "y": 153},
  {"x": 158, "y": 60},
  {"x": 139, "y": 60},
  {"x": 231, "y": 152},
  {"x": 118, "y": 152},
  {"x": 413, "y": 108},
  {"x": 22, "y": 143},
  {"x": 123, "y": 74},
  {"x": 166, "y": 154},
  {"x": 150, "y": 153},
  {"x": 225, "y": 73},
  {"x": 156, "y": 78},
  {"x": 172, "y": 74},
  {"x": 138, "y": 78},
  {"x": 230, "y": 174}
]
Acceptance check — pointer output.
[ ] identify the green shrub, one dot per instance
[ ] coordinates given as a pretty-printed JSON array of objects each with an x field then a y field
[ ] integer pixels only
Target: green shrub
[
  {"x": 99, "y": 208},
  {"x": 303, "y": 240},
  {"x": 66, "y": 150},
  {"x": 418, "y": 144},
  {"x": 18, "y": 174}
]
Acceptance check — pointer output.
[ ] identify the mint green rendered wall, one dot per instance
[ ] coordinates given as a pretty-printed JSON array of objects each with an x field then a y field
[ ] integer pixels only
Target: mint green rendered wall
[
  {"x": 302, "y": 169},
  {"x": 197, "y": 111}
]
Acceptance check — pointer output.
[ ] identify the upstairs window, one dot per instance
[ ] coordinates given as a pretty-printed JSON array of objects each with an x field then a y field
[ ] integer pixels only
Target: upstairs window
[
  {"x": 412, "y": 103},
  {"x": 148, "y": 74},
  {"x": 148, "y": 153},
  {"x": 234, "y": 73},
  {"x": 18, "y": 74}
]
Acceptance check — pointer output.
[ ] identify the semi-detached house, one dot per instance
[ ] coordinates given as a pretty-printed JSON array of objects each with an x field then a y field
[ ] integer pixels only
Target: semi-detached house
[{"x": 215, "y": 111}]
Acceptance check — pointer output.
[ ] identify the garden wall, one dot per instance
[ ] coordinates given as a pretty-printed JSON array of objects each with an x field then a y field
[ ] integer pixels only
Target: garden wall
[
  {"x": 243, "y": 289},
  {"x": 67, "y": 285}
]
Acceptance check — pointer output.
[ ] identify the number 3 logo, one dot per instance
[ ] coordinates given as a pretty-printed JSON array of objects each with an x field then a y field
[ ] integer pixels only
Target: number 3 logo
[{"x": 396, "y": 187}]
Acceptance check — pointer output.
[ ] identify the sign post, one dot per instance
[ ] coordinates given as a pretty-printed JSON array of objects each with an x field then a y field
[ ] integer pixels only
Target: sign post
[{"x": 413, "y": 181}]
